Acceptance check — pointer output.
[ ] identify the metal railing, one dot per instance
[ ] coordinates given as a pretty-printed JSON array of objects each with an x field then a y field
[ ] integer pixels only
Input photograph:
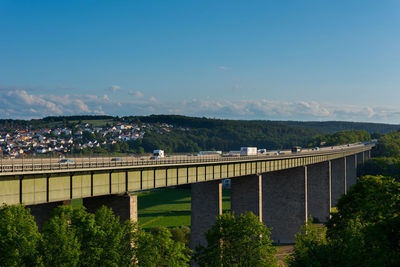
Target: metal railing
[{"x": 53, "y": 164}]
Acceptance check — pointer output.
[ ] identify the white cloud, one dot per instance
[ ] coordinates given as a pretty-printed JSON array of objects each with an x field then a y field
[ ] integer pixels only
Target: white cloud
[
  {"x": 137, "y": 94},
  {"x": 153, "y": 99},
  {"x": 114, "y": 88},
  {"x": 18, "y": 103}
]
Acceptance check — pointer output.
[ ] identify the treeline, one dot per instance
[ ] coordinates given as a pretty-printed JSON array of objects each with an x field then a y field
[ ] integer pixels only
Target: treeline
[
  {"x": 197, "y": 122},
  {"x": 191, "y": 134},
  {"x": 365, "y": 230},
  {"x": 75, "y": 237},
  {"x": 386, "y": 159},
  {"x": 323, "y": 127},
  {"x": 337, "y": 126},
  {"x": 340, "y": 138},
  {"x": 229, "y": 135}
]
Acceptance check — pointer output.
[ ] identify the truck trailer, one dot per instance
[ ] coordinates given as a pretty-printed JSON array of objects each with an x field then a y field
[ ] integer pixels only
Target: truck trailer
[{"x": 248, "y": 151}]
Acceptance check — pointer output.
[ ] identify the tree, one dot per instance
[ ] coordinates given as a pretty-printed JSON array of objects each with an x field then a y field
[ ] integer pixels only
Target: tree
[
  {"x": 310, "y": 247},
  {"x": 237, "y": 241},
  {"x": 19, "y": 237},
  {"x": 389, "y": 145},
  {"x": 75, "y": 237},
  {"x": 157, "y": 248},
  {"x": 364, "y": 232},
  {"x": 181, "y": 234},
  {"x": 380, "y": 166},
  {"x": 60, "y": 245},
  {"x": 115, "y": 239}
]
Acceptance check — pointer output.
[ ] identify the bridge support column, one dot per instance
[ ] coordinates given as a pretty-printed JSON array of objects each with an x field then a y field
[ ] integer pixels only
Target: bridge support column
[
  {"x": 351, "y": 171},
  {"x": 319, "y": 191},
  {"x": 124, "y": 206},
  {"x": 206, "y": 207},
  {"x": 285, "y": 202},
  {"x": 367, "y": 154},
  {"x": 360, "y": 158},
  {"x": 246, "y": 195},
  {"x": 338, "y": 178},
  {"x": 43, "y": 212}
]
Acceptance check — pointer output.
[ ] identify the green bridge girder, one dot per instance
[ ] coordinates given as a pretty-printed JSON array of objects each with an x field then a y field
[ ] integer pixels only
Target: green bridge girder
[{"x": 35, "y": 187}]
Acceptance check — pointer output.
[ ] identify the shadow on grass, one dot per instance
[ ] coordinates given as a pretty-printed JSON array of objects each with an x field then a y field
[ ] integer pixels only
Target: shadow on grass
[{"x": 163, "y": 196}]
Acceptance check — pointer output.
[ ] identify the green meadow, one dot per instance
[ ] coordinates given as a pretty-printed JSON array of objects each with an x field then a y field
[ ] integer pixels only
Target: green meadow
[{"x": 169, "y": 207}]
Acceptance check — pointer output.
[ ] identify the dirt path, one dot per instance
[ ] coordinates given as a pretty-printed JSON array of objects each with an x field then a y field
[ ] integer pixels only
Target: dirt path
[{"x": 283, "y": 251}]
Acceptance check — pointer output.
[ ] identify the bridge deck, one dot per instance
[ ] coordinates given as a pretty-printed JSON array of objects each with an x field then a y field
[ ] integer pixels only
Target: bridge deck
[{"x": 47, "y": 181}]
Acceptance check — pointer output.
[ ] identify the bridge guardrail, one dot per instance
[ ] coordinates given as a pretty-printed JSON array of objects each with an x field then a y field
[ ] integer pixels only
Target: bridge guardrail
[{"x": 106, "y": 162}]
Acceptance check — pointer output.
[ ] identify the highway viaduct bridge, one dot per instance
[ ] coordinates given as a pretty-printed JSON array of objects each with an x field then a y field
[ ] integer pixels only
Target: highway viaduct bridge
[{"x": 284, "y": 190}]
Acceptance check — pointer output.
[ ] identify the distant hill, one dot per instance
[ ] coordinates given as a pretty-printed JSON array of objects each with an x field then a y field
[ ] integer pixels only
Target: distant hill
[
  {"x": 193, "y": 134},
  {"x": 321, "y": 126},
  {"x": 337, "y": 126},
  {"x": 197, "y": 122}
]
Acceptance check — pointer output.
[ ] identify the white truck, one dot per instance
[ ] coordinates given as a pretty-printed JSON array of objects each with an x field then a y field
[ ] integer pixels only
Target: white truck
[
  {"x": 158, "y": 154},
  {"x": 248, "y": 151}
]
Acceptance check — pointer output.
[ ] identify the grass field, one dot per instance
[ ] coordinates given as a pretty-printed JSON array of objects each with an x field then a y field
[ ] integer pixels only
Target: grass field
[{"x": 169, "y": 207}]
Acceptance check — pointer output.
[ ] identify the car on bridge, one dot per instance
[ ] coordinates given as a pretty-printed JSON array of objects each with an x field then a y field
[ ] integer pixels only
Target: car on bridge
[{"x": 65, "y": 161}]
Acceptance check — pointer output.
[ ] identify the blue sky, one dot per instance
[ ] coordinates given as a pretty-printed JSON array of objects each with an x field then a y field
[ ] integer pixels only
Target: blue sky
[{"x": 290, "y": 60}]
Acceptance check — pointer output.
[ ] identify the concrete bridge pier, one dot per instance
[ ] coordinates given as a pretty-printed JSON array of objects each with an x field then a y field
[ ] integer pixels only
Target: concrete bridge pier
[
  {"x": 124, "y": 206},
  {"x": 319, "y": 191},
  {"x": 206, "y": 207},
  {"x": 246, "y": 195},
  {"x": 351, "y": 171},
  {"x": 284, "y": 203},
  {"x": 367, "y": 154},
  {"x": 338, "y": 174},
  {"x": 360, "y": 158},
  {"x": 43, "y": 212}
]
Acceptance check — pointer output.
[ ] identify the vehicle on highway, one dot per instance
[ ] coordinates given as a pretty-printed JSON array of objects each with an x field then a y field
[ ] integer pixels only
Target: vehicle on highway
[
  {"x": 65, "y": 161},
  {"x": 262, "y": 151},
  {"x": 248, "y": 151},
  {"x": 296, "y": 149},
  {"x": 158, "y": 154},
  {"x": 316, "y": 148},
  {"x": 116, "y": 159}
]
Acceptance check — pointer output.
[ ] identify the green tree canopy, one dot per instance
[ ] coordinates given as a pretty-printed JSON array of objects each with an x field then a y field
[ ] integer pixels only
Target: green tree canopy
[
  {"x": 60, "y": 245},
  {"x": 389, "y": 145},
  {"x": 237, "y": 241},
  {"x": 340, "y": 138},
  {"x": 365, "y": 231},
  {"x": 19, "y": 237},
  {"x": 380, "y": 166},
  {"x": 75, "y": 237},
  {"x": 157, "y": 248}
]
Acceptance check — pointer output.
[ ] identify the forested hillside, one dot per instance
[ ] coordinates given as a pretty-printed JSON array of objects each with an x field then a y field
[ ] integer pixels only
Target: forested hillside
[
  {"x": 337, "y": 126},
  {"x": 175, "y": 133}
]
